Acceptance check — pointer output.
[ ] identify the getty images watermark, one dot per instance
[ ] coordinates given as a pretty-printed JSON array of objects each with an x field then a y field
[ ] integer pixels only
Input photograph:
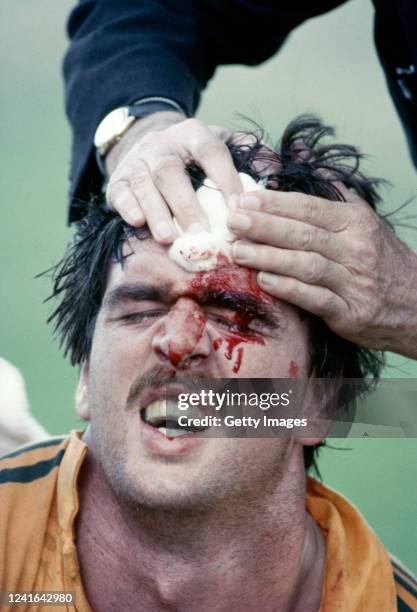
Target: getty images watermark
[
  {"x": 289, "y": 407},
  {"x": 229, "y": 399}
]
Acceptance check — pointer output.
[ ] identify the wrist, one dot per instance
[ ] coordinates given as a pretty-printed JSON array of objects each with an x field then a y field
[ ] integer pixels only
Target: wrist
[{"x": 153, "y": 122}]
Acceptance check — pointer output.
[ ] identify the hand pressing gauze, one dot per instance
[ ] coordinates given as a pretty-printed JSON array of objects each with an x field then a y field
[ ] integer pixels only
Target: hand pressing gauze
[{"x": 209, "y": 249}]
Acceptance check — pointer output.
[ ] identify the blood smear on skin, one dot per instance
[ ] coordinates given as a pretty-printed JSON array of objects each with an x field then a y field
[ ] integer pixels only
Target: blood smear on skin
[
  {"x": 238, "y": 361},
  {"x": 217, "y": 343},
  {"x": 229, "y": 278},
  {"x": 231, "y": 343},
  {"x": 294, "y": 369},
  {"x": 187, "y": 328},
  {"x": 232, "y": 279}
]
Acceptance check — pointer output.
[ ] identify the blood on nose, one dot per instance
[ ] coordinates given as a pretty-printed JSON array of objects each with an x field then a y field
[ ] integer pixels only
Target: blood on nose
[{"x": 184, "y": 328}]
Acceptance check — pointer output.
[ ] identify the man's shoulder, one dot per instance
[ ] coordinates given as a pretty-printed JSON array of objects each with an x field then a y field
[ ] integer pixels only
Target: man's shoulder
[
  {"x": 28, "y": 509},
  {"x": 29, "y": 471},
  {"x": 406, "y": 586},
  {"x": 22, "y": 464}
]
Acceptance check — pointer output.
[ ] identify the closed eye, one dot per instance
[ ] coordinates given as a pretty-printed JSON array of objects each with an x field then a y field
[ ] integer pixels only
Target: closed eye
[
  {"x": 241, "y": 326},
  {"x": 142, "y": 317}
]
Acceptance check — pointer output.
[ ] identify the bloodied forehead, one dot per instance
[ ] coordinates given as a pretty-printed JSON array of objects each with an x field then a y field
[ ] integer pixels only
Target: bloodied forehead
[{"x": 148, "y": 273}]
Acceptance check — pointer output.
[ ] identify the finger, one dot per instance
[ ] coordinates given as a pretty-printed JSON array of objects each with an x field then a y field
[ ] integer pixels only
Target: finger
[
  {"x": 310, "y": 268},
  {"x": 300, "y": 150},
  {"x": 287, "y": 233},
  {"x": 221, "y": 132},
  {"x": 172, "y": 181},
  {"x": 243, "y": 139},
  {"x": 319, "y": 301},
  {"x": 347, "y": 194},
  {"x": 213, "y": 156},
  {"x": 327, "y": 214},
  {"x": 153, "y": 205},
  {"x": 120, "y": 198},
  {"x": 236, "y": 137}
]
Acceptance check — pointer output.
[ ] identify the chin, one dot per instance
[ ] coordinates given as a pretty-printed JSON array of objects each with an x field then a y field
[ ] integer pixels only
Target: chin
[
  {"x": 166, "y": 499},
  {"x": 166, "y": 493}
]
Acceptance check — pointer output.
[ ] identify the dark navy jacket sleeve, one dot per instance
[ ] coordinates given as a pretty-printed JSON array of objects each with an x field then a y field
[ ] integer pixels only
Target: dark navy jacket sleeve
[
  {"x": 396, "y": 44},
  {"x": 125, "y": 50},
  {"x": 122, "y": 51}
]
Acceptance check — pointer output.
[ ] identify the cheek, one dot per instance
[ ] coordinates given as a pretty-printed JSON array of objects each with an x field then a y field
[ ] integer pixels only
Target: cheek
[
  {"x": 119, "y": 347},
  {"x": 234, "y": 349},
  {"x": 258, "y": 357},
  {"x": 241, "y": 358},
  {"x": 114, "y": 362}
]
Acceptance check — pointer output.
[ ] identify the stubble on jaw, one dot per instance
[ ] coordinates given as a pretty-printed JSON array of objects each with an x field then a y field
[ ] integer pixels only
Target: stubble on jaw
[{"x": 198, "y": 519}]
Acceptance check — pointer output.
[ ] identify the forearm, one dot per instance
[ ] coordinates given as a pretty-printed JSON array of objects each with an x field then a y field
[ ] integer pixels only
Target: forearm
[
  {"x": 396, "y": 45},
  {"x": 126, "y": 51},
  {"x": 121, "y": 53}
]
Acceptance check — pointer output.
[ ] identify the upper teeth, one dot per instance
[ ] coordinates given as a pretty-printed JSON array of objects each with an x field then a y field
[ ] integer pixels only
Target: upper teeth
[{"x": 163, "y": 410}]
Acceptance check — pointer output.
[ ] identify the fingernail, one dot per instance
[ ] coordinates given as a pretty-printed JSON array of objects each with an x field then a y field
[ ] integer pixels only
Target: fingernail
[
  {"x": 251, "y": 202},
  {"x": 163, "y": 231},
  {"x": 239, "y": 222},
  {"x": 243, "y": 252},
  {"x": 265, "y": 278},
  {"x": 135, "y": 214},
  {"x": 233, "y": 201},
  {"x": 195, "y": 228}
]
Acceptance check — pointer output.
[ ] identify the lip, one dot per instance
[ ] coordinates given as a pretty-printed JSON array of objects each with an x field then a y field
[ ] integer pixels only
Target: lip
[
  {"x": 154, "y": 440},
  {"x": 159, "y": 444}
]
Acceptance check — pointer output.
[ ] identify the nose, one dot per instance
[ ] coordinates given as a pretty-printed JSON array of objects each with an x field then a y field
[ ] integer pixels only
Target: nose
[{"x": 181, "y": 339}]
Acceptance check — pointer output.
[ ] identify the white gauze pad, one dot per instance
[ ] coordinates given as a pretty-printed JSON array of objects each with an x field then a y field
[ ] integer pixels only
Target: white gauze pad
[{"x": 207, "y": 250}]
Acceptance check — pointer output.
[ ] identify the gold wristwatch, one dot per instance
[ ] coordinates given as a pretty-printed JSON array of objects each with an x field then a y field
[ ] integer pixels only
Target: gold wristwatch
[{"x": 116, "y": 124}]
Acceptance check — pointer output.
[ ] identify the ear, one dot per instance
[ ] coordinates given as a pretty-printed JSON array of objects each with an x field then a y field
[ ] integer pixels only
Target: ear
[
  {"x": 81, "y": 393},
  {"x": 320, "y": 409},
  {"x": 317, "y": 430}
]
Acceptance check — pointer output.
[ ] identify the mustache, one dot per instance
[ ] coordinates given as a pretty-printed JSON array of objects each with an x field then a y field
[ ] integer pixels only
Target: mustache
[{"x": 159, "y": 377}]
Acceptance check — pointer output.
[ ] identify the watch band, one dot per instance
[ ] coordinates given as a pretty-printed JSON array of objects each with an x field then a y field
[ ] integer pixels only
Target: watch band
[
  {"x": 137, "y": 110},
  {"x": 160, "y": 102}
]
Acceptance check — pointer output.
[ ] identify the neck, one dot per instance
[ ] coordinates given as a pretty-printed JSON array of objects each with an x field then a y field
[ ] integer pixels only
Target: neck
[{"x": 264, "y": 550}]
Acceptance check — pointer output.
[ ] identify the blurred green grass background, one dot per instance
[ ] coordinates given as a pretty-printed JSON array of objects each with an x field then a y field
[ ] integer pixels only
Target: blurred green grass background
[{"x": 329, "y": 67}]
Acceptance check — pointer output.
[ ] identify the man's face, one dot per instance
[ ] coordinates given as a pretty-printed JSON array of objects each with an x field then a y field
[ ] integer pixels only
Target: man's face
[{"x": 158, "y": 326}]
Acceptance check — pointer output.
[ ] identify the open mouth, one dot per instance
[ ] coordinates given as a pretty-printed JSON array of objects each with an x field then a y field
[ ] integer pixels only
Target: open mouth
[{"x": 164, "y": 415}]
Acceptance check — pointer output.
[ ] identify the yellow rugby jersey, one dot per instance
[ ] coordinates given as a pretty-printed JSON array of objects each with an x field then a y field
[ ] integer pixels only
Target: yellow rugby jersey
[{"x": 39, "y": 502}]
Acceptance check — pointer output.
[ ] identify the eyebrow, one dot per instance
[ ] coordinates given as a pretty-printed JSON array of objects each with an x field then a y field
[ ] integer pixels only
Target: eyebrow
[
  {"x": 244, "y": 303},
  {"x": 235, "y": 300},
  {"x": 136, "y": 292}
]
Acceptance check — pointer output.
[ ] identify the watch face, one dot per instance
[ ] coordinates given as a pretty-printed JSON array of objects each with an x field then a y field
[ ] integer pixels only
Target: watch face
[{"x": 112, "y": 127}]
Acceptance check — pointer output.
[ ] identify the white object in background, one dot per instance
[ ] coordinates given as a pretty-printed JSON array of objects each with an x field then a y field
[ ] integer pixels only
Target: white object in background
[
  {"x": 208, "y": 250},
  {"x": 17, "y": 425}
]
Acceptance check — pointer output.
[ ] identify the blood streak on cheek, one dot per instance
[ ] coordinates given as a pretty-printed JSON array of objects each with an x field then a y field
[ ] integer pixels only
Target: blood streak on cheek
[
  {"x": 217, "y": 342},
  {"x": 232, "y": 342},
  {"x": 294, "y": 369},
  {"x": 238, "y": 361}
]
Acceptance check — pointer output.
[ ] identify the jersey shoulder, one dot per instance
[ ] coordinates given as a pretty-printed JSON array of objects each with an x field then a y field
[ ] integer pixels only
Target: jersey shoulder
[
  {"x": 406, "y": 586},
  {"x": 31, "y": 462},
  {"x": 28, "y": 478}
]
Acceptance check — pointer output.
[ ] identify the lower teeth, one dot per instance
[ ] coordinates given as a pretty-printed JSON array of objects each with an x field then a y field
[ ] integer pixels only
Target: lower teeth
[{"x": 172, "y": 432}]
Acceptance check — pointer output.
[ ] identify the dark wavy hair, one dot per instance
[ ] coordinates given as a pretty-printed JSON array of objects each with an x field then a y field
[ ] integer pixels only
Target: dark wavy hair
[{"x": 303, "y": 161}]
